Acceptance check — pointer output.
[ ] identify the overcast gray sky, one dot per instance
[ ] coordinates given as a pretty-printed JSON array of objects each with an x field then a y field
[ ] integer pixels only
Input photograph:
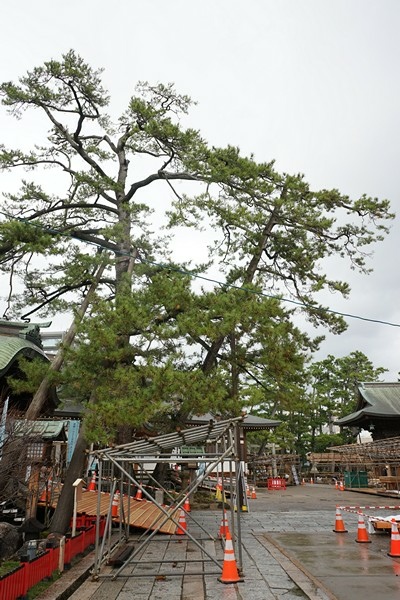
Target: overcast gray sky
[{"x": 313, "y": 84}]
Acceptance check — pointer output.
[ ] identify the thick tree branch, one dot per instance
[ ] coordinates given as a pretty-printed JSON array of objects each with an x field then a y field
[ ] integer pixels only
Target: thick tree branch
[
  {"x": 157, "y": 177},
  {"x": 75, "y": 145}
]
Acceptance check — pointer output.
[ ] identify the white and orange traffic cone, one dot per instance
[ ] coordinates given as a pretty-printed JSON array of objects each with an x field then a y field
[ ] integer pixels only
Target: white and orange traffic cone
[
  {"x": 253, "y": 493},
  {"x": 336, "y": 484},
  {"x": 303, "y": 481},
  {"x": 341, "y": 486},
  {"x": 139, "y": 494},
  {"x": 115, "y": 504},
  {"x": 339, "y": 524},
  {"x": 46, "y": 494},
  {"x": 248, "y": 494},
  {"x": 92, "y": 484},
  {"x": 224, "y": 526},
  {"x": 230, "y": 573},
  {"x": 312, "y": 481},
  {"x": 182, "y": 525},
  {"x": 394, "y": 540},
  {"x": 362, "y": 533},
  {"x": 186, "y": 505}
]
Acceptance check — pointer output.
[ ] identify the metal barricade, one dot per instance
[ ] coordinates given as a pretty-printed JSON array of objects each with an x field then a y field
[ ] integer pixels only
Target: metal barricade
[{"x": 276, "y": 483}]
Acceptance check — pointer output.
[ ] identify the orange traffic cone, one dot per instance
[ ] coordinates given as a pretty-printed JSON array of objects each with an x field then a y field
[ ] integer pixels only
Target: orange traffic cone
[
  {"x": 362, "y": 534},
  {"x": 92, "y": 484},
  {"x": 394, "y": 540},
  {"x": 303, "y": 481},
  {"x": 339, "y": 524},
  {"x": 312, "y": 481},
  {"x": 253, "y": 493},
  {"x": 224, "y": 526},
  {"x": 230, "y": 572},
  {"x": 139, "y": 494},
  {"x": 115, "y": 504},
  {"x": 248, "y": 495},
  {"x": 182, "y": 524},
  {"x": 186, "y": 505},
  {"x": 46, "y": 494},
  {"x": 336, "y": 484},
  {"x": 341, "y": 486}
]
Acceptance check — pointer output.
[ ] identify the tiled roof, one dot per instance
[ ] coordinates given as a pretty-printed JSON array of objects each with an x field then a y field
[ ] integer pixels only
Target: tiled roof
[
  {"x": 12, "y": 347},
  {"x": 18, "y": 325},
  {"x": 48, "y": 430},
  {"x": 375, "y": 399}
]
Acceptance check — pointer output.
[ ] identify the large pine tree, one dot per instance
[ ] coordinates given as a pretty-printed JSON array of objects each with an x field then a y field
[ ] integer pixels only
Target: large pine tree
[{"x": 152, "y": 341}]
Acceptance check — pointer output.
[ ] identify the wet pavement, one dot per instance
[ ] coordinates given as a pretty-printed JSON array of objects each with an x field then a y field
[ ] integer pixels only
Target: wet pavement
[
  {"x": 289, "y": 551},
  {"x": 347, "y": 569}
]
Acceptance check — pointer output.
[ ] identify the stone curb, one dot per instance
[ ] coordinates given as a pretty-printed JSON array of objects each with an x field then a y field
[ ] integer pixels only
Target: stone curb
[{"x": 70, "y": 580}]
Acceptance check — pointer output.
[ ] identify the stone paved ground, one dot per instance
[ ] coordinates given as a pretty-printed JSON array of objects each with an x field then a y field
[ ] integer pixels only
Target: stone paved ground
[{"x": 289, "y": 552}]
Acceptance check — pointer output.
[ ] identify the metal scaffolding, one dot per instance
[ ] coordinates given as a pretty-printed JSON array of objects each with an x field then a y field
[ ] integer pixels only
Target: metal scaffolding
[
  {"x": 127, "y": 463},
  {"x": 379, "y": 452},
  {"x": 379, "y": 459}
]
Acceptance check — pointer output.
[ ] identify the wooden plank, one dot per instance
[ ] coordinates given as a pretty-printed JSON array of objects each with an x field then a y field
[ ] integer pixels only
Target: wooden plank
[
  {"x": 118, "y": 557},
  {"x": 382, "y": 525},
  {"x": 142, "y": 514}
]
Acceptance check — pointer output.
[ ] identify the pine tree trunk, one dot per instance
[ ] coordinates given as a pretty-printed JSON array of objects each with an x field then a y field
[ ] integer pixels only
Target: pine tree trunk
[
  {"x": 61, "y": 520},
  {"x": 42, "y": 392}
]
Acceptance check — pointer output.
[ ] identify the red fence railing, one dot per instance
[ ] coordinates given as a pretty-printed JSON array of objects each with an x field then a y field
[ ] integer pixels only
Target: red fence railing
[
  {"x": 17, "y": 583},
  {"x": 12, "y": 585}
]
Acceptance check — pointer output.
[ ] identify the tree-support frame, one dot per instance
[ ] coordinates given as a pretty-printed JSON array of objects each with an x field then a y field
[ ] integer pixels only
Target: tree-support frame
[{"x": 124, "y": 460}]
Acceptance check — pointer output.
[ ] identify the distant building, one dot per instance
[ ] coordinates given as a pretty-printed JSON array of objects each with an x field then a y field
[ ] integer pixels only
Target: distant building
[
  {"x": 51, "y": 341},
  {"x": 19, "y": 339},
  {"x": 377, "y": 410}
]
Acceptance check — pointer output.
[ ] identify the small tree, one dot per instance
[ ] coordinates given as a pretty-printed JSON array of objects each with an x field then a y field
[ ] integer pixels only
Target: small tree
[
  {"x": 16, "y": 438},
  {"x": 334, "y": 383},
  {"x": 324, "y": 441}
]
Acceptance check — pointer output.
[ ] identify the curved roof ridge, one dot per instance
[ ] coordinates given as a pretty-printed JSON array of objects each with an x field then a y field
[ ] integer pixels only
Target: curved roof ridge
[{"x": 12, "y": 347}]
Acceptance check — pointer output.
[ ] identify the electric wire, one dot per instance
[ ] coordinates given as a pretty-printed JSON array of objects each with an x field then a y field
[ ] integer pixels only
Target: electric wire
[{"x": 194, "y": 275}]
